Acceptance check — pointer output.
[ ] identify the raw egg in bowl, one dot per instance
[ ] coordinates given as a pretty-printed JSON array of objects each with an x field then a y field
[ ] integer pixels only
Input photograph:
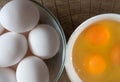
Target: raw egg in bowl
[{"x": 93, "y": 50}]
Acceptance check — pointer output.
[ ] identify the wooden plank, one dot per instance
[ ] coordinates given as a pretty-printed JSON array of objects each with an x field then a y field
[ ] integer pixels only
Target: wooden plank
[
  {"x": 67, "y": 26},
  {"x": 95, "y": 7},
  {"x": 106, "y": 6},
  {"x": 61, "y": 2},
  {"x": 64, "y": 16},
  {"x": 64, "y": 77},
  {"x": 78, "y": 19},
  {"x": 74, "y": 1},
  {"x": 75, "y": 8},
  {"x": 116, "y": 7},
  {"x": 50, "y": 4},
  {"x": 85, "y": 7},
  {"x": 3, "y": 2},
  {"x": 63, "y": 10}
]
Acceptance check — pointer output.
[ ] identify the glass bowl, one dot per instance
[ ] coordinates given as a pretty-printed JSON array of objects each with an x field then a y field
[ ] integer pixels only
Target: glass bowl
[{"x": 56, "y": 64}]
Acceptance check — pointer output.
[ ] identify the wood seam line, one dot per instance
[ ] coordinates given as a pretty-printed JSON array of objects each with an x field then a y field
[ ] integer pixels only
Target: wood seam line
[
  {"x": 100, "y": 6},
  {"x": 113, "y": 6},
  {"x": 56, "y": 8},
  {"x": 90, "y": 9},
  {"x": 70, "y": 14}
]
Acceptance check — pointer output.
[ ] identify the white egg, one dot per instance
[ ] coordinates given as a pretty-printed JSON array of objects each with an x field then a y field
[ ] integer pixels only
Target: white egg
[
  {"x": 44, "y": 41},
  {"x": 7, "y": 75},
  {"x": 13, "y": 48},
  {"x": 32, "y": 69},
  {"x": 19, "y": 15}
]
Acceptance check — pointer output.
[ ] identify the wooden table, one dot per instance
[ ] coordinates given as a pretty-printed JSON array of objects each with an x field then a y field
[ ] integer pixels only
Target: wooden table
[{"x": 71, "y": 13}]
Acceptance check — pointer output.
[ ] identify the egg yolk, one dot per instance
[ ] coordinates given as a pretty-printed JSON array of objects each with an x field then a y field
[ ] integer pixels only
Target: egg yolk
[
  {"x": 94, "y": 64},
  {"x": 97, "y": 34},
  {"x": 115, "y": 54}
]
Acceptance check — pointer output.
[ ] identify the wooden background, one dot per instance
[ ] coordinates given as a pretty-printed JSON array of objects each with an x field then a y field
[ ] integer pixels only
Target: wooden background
[{"x": 71, "y": 13}]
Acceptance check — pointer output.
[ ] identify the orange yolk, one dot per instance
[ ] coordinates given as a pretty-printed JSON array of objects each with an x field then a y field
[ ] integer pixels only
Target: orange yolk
[
  {"x": 115, "y": 55},
  {"x": 97, "y": 34},
  {"x": 94, "y": 64}
]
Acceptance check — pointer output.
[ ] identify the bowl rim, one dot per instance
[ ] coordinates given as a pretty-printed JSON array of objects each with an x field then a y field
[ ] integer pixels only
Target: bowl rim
[
  {"x": 72, "y": 74},
  {"x": 62, "y": 35}
]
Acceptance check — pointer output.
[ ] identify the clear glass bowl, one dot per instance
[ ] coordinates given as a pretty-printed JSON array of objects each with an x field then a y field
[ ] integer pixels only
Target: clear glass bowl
[{"x": 56, "y": 64}]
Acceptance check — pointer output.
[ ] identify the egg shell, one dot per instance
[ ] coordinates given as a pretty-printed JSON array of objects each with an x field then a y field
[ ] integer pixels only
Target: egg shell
[
  {"x": 44, "y": 41},
  {"x": 19, "y": 15},
  {"x": 7, "y": 75},
  {"x": 32, "y": 69},
  {"x": 13, "y": 48}
]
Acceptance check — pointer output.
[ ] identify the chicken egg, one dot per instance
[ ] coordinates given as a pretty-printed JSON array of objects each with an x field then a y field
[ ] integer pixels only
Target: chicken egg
[
  {"x": 19, "y": 15},
  {"x": 44, "y": 41},
  {"x": 13, "y": 48},
  {"x": 32, "y": 69},
  {"x": 7, "y": 75}
]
